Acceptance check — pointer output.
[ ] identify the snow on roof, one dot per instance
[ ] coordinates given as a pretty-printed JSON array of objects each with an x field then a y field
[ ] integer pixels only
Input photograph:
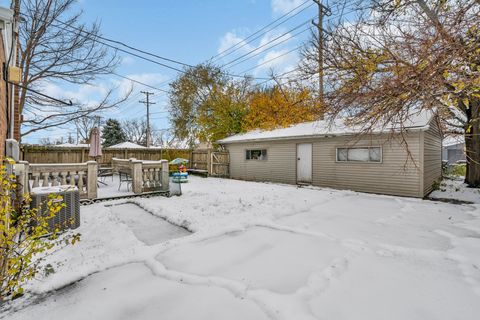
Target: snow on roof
[
  {"x": 126, "y": 145},
  {"x": 453, "y": 140},
  {"x": 415, "y": 121},
  {"x": 72, "y": 145}
]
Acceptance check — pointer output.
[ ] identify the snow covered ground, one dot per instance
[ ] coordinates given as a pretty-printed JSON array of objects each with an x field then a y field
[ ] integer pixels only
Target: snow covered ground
[
  {"x": 455, "y": 188},
  {"x": 265, "y": 251},
  {"x": 109, "y": 187}
]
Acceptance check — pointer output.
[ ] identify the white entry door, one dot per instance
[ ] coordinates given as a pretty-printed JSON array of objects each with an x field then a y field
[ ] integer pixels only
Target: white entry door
[{"x": 304, "y": 162}]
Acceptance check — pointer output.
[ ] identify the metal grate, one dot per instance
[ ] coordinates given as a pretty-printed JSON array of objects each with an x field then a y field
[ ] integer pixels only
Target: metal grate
[{"x": 68, "y": 217}]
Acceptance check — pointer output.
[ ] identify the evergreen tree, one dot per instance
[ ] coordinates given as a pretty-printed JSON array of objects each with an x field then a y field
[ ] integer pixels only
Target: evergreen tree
[{"x": 112, "y": 133}]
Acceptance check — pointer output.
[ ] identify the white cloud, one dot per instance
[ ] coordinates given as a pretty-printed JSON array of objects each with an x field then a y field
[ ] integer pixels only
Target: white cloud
[
  {"x": 270, "y": 36},
  {"x": 278, "y": 61},
  {"x": 127, "y": 60},
  {"x": 284, "y": 6},
  {"x": 275, "y": 58},
  {"x": 231, "y": 39}
]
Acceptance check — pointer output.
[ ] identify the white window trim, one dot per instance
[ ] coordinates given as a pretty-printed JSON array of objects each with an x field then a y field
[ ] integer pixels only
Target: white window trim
[
  {"x": 247, "y": 149},
  {"x": 359, "y": 147}
]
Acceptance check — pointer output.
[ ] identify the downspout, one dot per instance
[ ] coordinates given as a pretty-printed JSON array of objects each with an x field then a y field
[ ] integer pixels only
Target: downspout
[{"x": 12, "y": 61}]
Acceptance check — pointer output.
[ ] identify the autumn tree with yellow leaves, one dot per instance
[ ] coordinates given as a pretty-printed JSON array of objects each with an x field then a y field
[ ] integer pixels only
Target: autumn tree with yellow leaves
[
  {"x": 278, "y": 107},
  {"x": 390, "y": 58},
  {"x": 206, "y": 105}
]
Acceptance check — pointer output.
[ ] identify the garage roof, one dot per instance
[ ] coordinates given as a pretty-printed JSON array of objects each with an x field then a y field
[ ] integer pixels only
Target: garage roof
[{"x": 418, "y": 120}]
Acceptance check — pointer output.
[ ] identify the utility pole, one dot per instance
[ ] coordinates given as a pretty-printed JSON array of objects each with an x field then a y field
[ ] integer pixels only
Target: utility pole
[
  {"x": 322, "y": 11},
  {"x": 147, "y": 102}
]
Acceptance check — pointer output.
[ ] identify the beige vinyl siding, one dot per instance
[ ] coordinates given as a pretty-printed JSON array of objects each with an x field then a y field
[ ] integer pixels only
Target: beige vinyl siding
[
  {"x": 280, "y": 165},
  {"x": 432, "y": 154},
  {"x": 397, "y": 174}
]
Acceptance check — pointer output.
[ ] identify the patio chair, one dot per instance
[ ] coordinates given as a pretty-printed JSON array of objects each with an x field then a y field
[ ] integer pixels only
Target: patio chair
[{"x": 124, "y": 177}]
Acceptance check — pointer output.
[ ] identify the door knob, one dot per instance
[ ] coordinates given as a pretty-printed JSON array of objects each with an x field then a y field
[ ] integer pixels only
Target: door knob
[{"x": 298, "y": 158}]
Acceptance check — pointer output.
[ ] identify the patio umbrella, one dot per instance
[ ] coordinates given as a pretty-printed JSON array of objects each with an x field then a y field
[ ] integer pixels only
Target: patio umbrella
[
  {"x": 95, "y": 147},
  {"x": 178, "y": 161}
]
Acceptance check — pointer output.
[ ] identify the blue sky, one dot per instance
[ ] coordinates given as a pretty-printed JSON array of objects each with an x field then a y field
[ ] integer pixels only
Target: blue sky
[{"x": 190, "y": 31}]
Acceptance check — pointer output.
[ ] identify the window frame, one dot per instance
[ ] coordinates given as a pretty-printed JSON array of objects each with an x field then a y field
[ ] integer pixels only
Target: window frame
[
  {"x": 254, "y": 149},
  {"x": 359, "y": 147}
]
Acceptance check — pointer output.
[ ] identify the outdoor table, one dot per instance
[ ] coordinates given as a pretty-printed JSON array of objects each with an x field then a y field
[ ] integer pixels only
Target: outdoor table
[{"x": 105, "y": 172}]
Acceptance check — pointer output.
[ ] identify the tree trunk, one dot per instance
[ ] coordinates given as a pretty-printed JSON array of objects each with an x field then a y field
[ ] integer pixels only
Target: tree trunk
[{"x": 472, "y": 145}]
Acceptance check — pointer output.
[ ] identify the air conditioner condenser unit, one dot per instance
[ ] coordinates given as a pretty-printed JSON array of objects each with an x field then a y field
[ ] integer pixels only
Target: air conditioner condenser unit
[{"x": 69, "y": 216}]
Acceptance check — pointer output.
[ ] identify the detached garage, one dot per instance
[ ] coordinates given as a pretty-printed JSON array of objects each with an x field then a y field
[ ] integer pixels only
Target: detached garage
[{"x": 335, "y": 155}]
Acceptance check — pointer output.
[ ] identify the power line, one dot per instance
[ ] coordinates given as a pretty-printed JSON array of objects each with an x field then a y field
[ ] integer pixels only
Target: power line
[
  {"x": 331, "y": 18},
  {"x": 139, "y": 82},
  {"x": 269, "y": 42},
  {"x": 95, "y": 38},
  {"x": 270, "y": 60},
  {"x": 245, "y": 42},
  {"x": 119, "y": 43},
  {"x": 266, "y": 49},
  {"x": 157, "y": 112}
]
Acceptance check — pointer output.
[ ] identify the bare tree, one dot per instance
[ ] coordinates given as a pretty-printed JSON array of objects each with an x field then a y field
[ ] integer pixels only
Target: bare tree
[
  {"x": 398, "y": 56},
  {"x": 55, "y": 47},
  {"x": 45, "y": 141},
  {"x": 135, "y": 130},
  {"x": 84, "y": 126}
]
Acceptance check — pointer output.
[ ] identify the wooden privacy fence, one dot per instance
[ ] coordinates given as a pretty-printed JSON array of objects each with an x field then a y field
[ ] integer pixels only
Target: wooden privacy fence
[
  {"x": 54, "y": 154},
  {"x": 215, "y": 163}
]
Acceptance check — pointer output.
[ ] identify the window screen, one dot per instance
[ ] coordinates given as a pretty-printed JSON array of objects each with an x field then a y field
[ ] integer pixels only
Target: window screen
[
  {"x": 256, "y": 154},
  {"x": 367, "y": 154}
]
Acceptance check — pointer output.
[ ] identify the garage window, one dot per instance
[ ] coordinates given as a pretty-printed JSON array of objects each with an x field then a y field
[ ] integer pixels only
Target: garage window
[
  {"x": 256, "y": 154},
  {"x": 364, "y": 154}
]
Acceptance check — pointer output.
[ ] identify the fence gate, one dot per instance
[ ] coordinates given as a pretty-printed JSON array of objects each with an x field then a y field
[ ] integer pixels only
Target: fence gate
[{"x": 214, "y": 163}]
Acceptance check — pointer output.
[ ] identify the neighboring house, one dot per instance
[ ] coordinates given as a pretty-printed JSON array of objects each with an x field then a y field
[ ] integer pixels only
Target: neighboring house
[
  {"x": 6, "y": 97},
  {"x": 126, "y": 145},
  {"x": 453, "y": 149},
  {"x": 336, "y": 156}
]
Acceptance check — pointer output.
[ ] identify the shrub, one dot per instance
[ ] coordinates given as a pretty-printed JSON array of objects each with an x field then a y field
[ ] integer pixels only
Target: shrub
[
  {"x": 458, "y": 170},
  {"x": 24, "y": 235},
  {"x": 455, "y": 170}
]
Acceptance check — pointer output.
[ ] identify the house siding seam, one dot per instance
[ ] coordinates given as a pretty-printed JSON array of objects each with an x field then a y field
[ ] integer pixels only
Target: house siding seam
[
  {"x": 395, "y": 175},
  {"x": 432, "y": 168}
]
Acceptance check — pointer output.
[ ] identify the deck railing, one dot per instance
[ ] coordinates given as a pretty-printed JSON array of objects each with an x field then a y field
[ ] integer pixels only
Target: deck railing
[
  {"x": 81, "y": 175},
  {"x": 147, "y": 176}
]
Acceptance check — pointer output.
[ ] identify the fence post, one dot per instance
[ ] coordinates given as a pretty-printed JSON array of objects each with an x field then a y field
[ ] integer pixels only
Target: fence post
[
  {"x": 209, "y": 161},
  {"x": 114, "y": 164},
  {"x": 92, "y": 168},
  {"x": 165, "y": 176},
  {"x": 137, "y": 175}
]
